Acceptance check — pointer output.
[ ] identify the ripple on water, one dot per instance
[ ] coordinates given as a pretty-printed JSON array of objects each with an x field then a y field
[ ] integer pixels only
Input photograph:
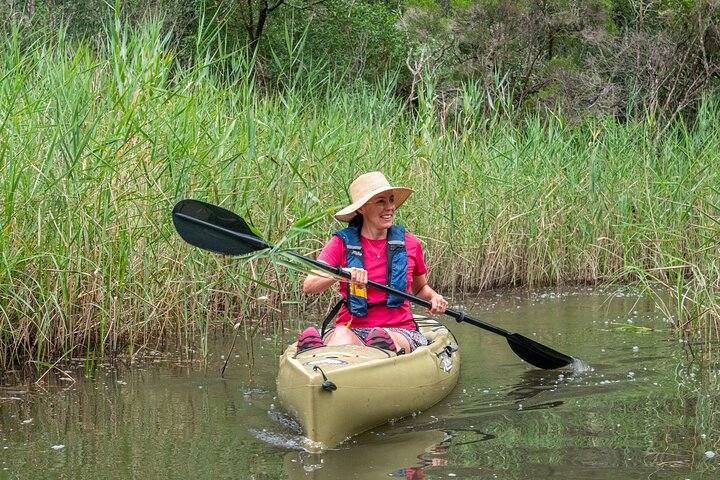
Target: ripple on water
[
  {"x": 289, "y": 433},
  {"x": 285, "y": 421},
  {"x": 279, "y": 439}
]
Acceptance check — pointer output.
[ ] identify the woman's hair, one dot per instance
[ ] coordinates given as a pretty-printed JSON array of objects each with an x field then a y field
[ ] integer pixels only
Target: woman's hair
[{"x": 357, "y": 221}]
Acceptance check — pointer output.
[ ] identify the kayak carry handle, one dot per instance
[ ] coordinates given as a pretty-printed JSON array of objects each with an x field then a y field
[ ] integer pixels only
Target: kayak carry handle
[{"x": 327, "y": 385}]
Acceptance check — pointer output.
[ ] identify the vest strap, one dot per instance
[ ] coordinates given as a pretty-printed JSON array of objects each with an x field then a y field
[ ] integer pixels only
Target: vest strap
[
  {"x": 331, "y": 315},
  {"x": 395, "y": 275}
]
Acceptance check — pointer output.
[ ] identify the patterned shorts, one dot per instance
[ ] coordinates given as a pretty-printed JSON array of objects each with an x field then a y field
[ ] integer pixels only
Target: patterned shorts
[{"x": 414, "y": 337}]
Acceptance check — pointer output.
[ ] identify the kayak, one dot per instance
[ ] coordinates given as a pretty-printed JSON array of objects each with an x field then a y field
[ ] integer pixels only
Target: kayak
[{"x": 336, "y": 392}]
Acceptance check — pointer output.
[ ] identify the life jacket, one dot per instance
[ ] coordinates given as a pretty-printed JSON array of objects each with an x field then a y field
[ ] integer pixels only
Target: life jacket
[{"x": 395, "y": 276}]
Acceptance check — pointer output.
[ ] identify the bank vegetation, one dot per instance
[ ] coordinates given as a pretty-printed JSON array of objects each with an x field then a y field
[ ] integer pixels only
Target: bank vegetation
[{"x": 101, "y": 137}]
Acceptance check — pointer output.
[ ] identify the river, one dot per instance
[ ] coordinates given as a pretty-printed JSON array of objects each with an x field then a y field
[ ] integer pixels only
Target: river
[{"x": 639, "y": 408}]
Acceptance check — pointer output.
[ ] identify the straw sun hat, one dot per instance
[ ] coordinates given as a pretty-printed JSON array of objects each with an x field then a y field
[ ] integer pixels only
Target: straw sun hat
[{"x": 367, "y": 186}]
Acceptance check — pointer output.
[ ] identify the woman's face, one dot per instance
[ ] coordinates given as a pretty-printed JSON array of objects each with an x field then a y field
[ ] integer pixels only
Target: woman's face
[{"x": 379, "y": 211}]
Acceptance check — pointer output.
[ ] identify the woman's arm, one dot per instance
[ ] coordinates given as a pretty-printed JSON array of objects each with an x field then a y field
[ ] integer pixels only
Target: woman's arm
[
  {"x": 420, "y": 288},
  {"x": 318, "y": 282}
]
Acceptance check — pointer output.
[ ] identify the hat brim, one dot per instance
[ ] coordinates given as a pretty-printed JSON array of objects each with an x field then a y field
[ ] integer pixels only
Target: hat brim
[{"x": 349, "y": 212}]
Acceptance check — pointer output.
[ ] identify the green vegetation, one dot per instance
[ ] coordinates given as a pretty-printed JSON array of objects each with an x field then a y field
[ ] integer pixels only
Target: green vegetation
[{"x": 100, "y": 139}]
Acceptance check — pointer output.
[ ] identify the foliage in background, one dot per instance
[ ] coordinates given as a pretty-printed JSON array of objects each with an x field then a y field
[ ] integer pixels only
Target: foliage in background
[
  {"x": 100, "y": 139},
  {"x": 350, "y": 41},
  {"x": 594, "y": 58}
]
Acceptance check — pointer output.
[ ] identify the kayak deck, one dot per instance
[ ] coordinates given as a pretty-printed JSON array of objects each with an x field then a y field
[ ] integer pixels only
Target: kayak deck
[{"x": 336, "y": 392}]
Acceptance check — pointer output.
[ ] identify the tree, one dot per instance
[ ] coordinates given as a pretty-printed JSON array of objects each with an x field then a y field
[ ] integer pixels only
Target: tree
[{"x": 253, "y": 15}]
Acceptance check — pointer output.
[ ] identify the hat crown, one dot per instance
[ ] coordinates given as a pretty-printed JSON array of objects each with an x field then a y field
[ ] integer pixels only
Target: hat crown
[{"x": 366, "y": 184}]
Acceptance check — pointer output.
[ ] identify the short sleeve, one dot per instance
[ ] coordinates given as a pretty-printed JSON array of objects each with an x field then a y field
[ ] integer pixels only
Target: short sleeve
[
  {"x": 333, "y": 252},
  {"x": 415, "y": 250}
]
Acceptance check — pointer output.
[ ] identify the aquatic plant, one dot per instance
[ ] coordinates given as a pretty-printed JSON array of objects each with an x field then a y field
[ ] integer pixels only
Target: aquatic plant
[{"x": 100, "y": 140}]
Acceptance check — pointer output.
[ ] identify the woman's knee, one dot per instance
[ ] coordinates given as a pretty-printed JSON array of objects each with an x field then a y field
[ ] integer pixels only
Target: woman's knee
[{"x": 401, "y": 342}]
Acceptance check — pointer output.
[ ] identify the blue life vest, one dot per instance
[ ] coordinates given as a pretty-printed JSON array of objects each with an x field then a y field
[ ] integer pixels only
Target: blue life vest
[{"x": 397, "y": 265}]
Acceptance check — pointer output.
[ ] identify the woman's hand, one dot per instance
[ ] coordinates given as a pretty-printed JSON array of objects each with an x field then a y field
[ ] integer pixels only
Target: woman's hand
[
  {"x": 318, "y": 282},
  {"x": 358, "y": 276},
  {"x": 439, "y": 305}
]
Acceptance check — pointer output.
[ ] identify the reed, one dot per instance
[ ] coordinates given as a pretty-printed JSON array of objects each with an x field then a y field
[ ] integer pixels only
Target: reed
[{"x": 99, "y": 141}]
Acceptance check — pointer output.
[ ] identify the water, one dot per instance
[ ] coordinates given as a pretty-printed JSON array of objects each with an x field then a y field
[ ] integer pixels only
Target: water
[{"x": 636, "y": 407}]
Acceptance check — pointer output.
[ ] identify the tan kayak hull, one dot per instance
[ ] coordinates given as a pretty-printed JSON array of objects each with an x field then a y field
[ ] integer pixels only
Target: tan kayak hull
[{"x": 373, "y": 386}]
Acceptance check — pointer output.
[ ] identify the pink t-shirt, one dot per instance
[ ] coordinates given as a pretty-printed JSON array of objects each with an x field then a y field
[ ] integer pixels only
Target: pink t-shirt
[{"x": 378, "y": 316}]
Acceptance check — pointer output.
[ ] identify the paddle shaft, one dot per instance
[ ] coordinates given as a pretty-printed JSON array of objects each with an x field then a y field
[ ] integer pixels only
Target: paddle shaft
[
  {"x": 261, "y": 245},
  {"x": 529, "y": 350},
  {"x": 459, "y": 316}
]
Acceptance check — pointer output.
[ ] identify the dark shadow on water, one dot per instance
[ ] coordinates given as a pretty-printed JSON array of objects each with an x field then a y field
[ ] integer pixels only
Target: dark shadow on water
[
  {"x": 534, "y": 383},
  {"x": 476, "y": 436}
]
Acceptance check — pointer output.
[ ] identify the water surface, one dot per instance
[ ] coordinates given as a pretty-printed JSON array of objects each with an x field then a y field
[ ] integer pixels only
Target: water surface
[{"x": 641, "y": 408}]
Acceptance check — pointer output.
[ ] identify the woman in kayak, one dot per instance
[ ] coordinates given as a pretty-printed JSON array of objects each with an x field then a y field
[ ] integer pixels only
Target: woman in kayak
[{"x": 372, "y": 248}]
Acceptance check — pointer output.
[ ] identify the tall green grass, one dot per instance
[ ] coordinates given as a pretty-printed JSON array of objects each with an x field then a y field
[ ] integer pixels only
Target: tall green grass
[{"x": 99, "y": 141}]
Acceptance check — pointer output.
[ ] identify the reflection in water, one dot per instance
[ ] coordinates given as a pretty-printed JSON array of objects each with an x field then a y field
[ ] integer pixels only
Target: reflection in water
[
  {"x": 469, "y": 437},
  {"x": 404, "y": 456}
]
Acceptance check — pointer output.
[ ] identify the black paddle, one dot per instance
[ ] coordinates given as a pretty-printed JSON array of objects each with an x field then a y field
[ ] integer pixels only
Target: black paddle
[{"x": 221, "y": 231}]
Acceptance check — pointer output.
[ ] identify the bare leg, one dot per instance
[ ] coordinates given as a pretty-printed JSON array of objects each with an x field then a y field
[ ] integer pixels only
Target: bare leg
[{"x": 401, "y": 342}]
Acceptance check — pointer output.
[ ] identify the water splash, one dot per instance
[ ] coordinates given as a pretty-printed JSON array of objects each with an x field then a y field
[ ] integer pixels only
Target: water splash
[
  {"x": 285, "y": 421},
  {"x": 292, "y": 436},
  {"x": 278, "y": 439},
  {"x": 579, "y": 366}
]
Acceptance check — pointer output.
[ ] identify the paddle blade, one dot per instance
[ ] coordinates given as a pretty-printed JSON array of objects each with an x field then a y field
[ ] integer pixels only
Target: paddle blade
[
  {"x": 536, "y": 353},
  {"x": 215, "y": 229}
]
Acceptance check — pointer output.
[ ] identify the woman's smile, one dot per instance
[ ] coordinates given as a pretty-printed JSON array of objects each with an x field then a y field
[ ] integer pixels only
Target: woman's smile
[{"x": 378, "y": 214}]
